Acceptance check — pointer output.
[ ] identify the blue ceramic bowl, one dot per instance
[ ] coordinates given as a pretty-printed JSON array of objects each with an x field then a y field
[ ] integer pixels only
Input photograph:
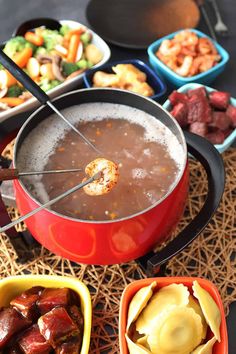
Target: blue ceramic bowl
[
  {"x": 153, "y": 79},
  {"x": 230, "y": 139},
  {"x": 204, "y": 78}
]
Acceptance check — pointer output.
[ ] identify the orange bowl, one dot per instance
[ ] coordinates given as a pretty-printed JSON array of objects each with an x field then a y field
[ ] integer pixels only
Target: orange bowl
[{"x": 132, "y": 288}]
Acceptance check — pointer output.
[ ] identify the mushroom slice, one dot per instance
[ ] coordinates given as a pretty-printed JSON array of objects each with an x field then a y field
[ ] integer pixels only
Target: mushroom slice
[
  {"x": 138, "y": 302},
  {"x": 79, "y": 51},
  {"x": 169, "y": 296},
  {"x": 3, "y": 92},
  {"x": 205, "y": 348},
  {"x": 135, "y": 348},
  {"x": 56, "y": 68},
  {"x": 177, "y": 330},
  {"x": 209, "y": 308}
]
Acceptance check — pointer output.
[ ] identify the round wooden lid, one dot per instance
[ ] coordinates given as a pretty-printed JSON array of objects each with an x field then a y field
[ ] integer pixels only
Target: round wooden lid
[{"x": 137, "y": 23}]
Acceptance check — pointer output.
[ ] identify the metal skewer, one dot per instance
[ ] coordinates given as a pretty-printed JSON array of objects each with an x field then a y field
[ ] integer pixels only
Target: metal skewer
[
  {"x": 51, "y": 202},
  {"x": 37, "y": 92},
  {"x": 7, "y": 174}
]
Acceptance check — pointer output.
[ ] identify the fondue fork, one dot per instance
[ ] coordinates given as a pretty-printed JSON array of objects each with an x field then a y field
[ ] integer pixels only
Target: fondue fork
[
  {"x": 98, "y": 175},
  {"x": 7, "y": 174},
  {"x": 37, "y": 92}
]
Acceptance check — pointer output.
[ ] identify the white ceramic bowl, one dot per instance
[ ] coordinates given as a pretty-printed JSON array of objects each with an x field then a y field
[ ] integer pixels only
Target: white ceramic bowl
[{"x": 65, "y": 86}]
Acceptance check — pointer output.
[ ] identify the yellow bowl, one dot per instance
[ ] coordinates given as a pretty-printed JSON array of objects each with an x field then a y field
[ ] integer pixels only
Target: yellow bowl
[{"x": 13, "y": 286}]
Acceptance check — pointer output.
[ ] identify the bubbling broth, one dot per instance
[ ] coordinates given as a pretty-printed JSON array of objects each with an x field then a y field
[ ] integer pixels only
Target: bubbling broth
[{"x": 131, "y": 138}]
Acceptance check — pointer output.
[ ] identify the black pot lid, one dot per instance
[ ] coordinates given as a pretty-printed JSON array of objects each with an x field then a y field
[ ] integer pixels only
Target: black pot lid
[{"x": 137, "y": 23}]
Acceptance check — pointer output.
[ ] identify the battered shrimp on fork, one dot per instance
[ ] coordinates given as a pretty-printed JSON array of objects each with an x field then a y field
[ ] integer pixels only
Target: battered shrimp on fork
[{"x": 109, "y": 176}]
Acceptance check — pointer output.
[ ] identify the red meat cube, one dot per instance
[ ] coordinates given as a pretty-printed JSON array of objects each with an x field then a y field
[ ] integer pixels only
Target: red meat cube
[
  {"x": 219, "y": 99},
  {"x": 34, "y": 290},
  {"x": 51, "y": 298},
  {"x": 216, "y": 137},
  {"x": 199, "y": 128},
  {"x": 180, "y": 113},
  {"x": 14, "y": 350},
  {"x": 200, "y": 91},
  {"x": 199, "y": 110},
  {"x": 177, "y": 97},
  {"x": 11, "y": 322},
  {"x": 227, "y": 132},
  {"x": 220, "y": 120},
  {"x": 32, "y": 342},
  {"x": 231, "y": 113},
  {"x": 71, "y": 347},
  {"x": 26, "y": 303},
  {"x": 57, "y": 327}
]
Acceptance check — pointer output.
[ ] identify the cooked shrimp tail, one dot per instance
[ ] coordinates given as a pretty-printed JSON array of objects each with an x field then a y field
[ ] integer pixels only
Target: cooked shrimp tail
[{"x": 108, "y": 178}]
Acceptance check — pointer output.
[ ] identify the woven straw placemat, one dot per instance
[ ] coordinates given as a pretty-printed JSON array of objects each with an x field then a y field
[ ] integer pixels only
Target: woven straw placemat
[{"x": 211, "y": 255}]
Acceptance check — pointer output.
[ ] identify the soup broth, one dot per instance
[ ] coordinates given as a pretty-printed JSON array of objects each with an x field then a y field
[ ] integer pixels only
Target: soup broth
[{"x": 137, "y": 142}]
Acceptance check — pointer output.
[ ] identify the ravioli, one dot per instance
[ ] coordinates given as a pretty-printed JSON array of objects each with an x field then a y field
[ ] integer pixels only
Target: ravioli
[
  {"x": 135, "y": 348},
  {"x": 177, "y": 331},
  {"x": 205, "y": 348},
  {"x": 143, "y": 341},
  {"x": 169, "y": 296},
  {"x": 209, "y": 308},
  {"x": 195, "y": 306},
  {"x": 138, "y": 302}
]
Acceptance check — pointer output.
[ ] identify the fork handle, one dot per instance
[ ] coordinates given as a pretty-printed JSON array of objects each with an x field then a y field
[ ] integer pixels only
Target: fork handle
[{"x": 216, "y": 9}]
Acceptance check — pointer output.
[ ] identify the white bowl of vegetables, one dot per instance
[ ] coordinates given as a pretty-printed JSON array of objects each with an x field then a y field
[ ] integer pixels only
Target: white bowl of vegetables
[{"x": 55, "y": 59}]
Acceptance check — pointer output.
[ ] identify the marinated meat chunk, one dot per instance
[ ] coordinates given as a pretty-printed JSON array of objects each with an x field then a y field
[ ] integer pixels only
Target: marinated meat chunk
[
  {"x": 57, "y": 326},
  {"x": 51, "y": 298},
  {"x": 199, "y": 110},
  {"x": 227, "y": 132},
  {"x": 71, "y": 347},
  {"x": 11, "y": 322},
  {"x": 32, "y": 342},
  {"x": 76, "y": 315},
  {"x": 13, "y": 350},
  {"x": 199, "y": 128},
  {"x": 177, "y": 97},
  {"x": 34, "y": 290},
  {"x": 26, "y": 303},
  {"x": 200, "y": 91},
  {"x": 219, "y": 99},
  {"x": 231, "y": 113},
  {"x": 180, "y": 112},
  {"x": 216, "y": 137},
  {"x": 220, "y": 120}
]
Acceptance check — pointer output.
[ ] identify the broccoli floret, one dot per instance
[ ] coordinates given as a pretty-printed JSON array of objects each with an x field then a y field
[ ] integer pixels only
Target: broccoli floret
[
  {"x": 51, "y": 38},
  {"x": 86, "y": 38},
  {"x": 46, "y": 84},
  {"x": 82, "y": 64},
  {"x": 40, "y": 50},
  {"x": 64, "y": 30},
  {"x": 89, "y": 64},
  {"x": 14, "y": 91},
  {"x": 17, "y": 44},
  {"x": 68, "y": 68}
]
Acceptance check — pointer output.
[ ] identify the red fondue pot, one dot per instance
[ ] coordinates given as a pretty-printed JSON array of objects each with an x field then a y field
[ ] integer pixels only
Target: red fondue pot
[{"x": 122, "y": 240}]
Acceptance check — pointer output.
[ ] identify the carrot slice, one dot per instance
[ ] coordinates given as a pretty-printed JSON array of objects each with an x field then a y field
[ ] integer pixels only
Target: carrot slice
[
  {"x": 21, "y": 58},
  {"x": 73, "y": 48},
  {"x": 68, "y": 36},
  {"x": 12, "y": 101},
  {"x": 34, "y": 38}
]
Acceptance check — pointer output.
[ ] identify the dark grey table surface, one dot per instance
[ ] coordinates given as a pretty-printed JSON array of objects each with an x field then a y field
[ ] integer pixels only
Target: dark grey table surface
[{"x": 14, "y": 12}]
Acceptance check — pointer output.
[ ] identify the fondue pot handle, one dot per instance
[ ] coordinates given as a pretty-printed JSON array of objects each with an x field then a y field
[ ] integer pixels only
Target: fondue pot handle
[{"x": 212, "y": 162}]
